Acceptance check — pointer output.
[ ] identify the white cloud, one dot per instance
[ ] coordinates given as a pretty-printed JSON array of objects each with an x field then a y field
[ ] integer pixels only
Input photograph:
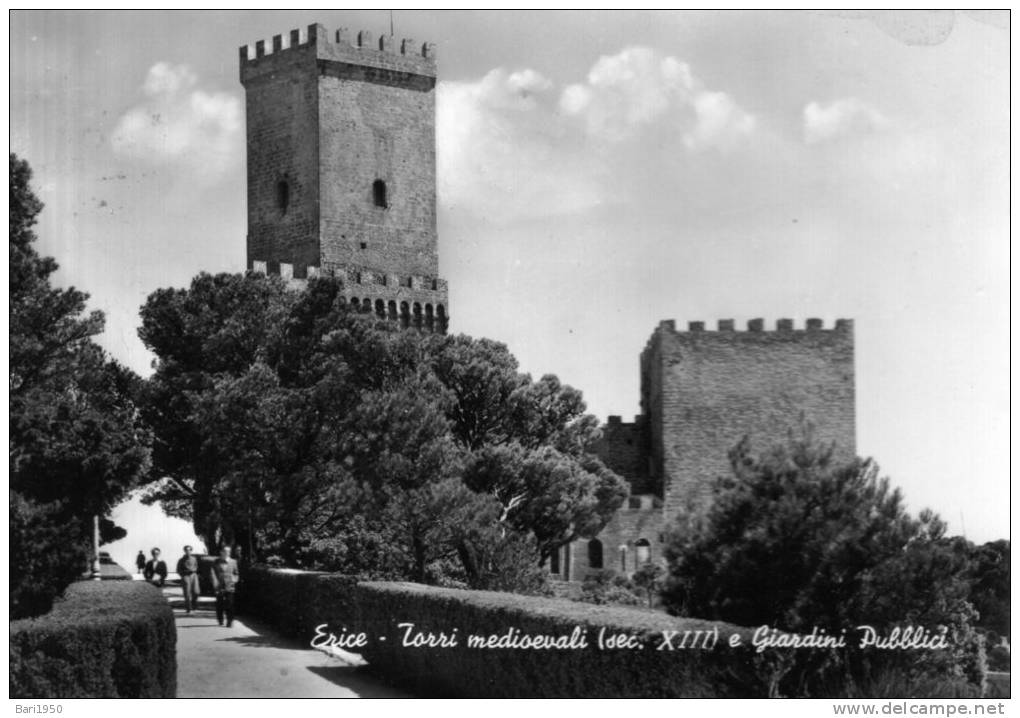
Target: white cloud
[
  {"x": 526, "y": 82},
  {"x": 721, "y": 123},
  {"x": 512, "y": 144},
  {"x": 502, "y": 150},
  {"x": 840, "y": 118},
  {"x": 166, "y": 79},
  {"x": 638, "y": 88},
  {"x": 176, "y": 122},
  {"x": 625, "y": 92}
]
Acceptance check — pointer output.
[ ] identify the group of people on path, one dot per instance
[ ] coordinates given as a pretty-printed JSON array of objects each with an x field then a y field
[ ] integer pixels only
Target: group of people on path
[{"x": 224, "y": 575}]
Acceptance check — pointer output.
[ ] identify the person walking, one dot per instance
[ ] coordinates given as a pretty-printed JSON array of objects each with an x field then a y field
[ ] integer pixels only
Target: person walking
[
  {"x": 140, "y": 561},
  {"x": 187, "y": 569},
  {"x": 155, "y": 569},
  {"x": 225, "y": 578}
]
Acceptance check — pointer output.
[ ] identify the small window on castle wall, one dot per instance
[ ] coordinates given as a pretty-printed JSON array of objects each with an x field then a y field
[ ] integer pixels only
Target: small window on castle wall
[
  {"x": 379, "y": 194},
  {"x": 283, "y": 196}
]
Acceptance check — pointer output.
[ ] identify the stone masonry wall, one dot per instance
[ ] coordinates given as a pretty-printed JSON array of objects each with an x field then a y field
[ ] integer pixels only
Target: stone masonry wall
[
  {"x": 282, "y": 131},
  {"x": 620, "y": 537},
  {"x": 651, "y": 407},
  {"x": 331, "y": 115},
  {"x": 623, "y": 447},
  {"x": 619, "y": 542},
  {"x": 717, "y": 386},
  {"x": 375, "y": 132}
]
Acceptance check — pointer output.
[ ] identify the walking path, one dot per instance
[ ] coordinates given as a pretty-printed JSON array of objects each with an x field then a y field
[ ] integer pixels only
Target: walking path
[{"x": 252, "y": 660}]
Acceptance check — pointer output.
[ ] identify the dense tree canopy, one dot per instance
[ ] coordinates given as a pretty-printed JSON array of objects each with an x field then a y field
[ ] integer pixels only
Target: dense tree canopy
[
  {"x": 77, "y": 445},
  {"x": 303, "y": 431},
  {"x": 989, "y": 569},
  {"x": 794, "y": 540}
]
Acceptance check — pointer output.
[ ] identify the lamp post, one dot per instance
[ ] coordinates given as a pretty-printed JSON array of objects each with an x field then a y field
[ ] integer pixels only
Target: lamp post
[{"x": 96, "y": 571}]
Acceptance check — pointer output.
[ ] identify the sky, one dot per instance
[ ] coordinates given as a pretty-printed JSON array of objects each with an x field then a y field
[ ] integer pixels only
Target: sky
[{"x": 599, "y": 172}]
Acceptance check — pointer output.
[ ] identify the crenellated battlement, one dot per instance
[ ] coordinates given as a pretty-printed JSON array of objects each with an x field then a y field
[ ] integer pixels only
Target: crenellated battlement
[
  {"x": 363, "y": 49},
  {"x": 352, "y": 276},
  {"x": 812, "y": 331},
  {"x": 419, "y": 302},
  {"x": 757, "y": 325}
]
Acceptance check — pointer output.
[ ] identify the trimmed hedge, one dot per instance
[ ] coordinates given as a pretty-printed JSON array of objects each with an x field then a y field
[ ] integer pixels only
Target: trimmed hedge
[
  {"x": 634, "y": 672},
  {"x": 103, "y": 639},
  {"x": 113, "y": 572},
  {"x": 297, "y": 601},
  {"x": 108, "y": 571},
  {"x": 998, "y": 685}
]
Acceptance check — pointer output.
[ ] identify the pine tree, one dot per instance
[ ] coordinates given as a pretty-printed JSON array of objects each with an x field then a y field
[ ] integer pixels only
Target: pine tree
[{"x": 76, "y": 443}]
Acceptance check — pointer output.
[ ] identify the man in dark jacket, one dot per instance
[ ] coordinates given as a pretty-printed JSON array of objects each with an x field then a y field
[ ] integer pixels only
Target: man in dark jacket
[
  {"x": 225, "y": 577},
  {"x": 187, "y": 569},
  {"x": 155, "y": 569}
]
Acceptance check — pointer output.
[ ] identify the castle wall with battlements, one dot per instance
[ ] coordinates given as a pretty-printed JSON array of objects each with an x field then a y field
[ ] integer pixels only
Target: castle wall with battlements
[
  {"x": 702, "y": 391},
  {"x": 709, "y": 388}
]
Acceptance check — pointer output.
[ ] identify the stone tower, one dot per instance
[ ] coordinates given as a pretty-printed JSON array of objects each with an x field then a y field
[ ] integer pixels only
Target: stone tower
[
  {"x": 702, "y": 390},
  {"x": 342, "y": 168}
]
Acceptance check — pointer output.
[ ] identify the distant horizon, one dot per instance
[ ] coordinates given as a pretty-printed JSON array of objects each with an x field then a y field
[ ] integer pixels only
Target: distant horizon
[{"x": 599, "y": 172}]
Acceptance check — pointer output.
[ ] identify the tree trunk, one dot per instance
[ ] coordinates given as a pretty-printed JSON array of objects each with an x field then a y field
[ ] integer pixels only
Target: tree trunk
[
  {"x": 419, "y": 559},
  {"x": 470, "y": 563}
]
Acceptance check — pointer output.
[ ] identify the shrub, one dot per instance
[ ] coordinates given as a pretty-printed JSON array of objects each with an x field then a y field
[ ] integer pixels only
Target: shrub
[
  {"x": 505, "y": 561},
  {"x": 649, "y": 580},
  {"x": 46, "y": 555},
  {"x": 297, "y": 601},
  {"x": 998, "y": 659},
  {"x": 585, "y": 672},
  {"x": 989, "y": 591},
  {"x": 998, "y": 686},
  {"x": 113, "y": 572},
  {"x": 104, "y": 639},
  {"x": 608, "y": 587}
]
